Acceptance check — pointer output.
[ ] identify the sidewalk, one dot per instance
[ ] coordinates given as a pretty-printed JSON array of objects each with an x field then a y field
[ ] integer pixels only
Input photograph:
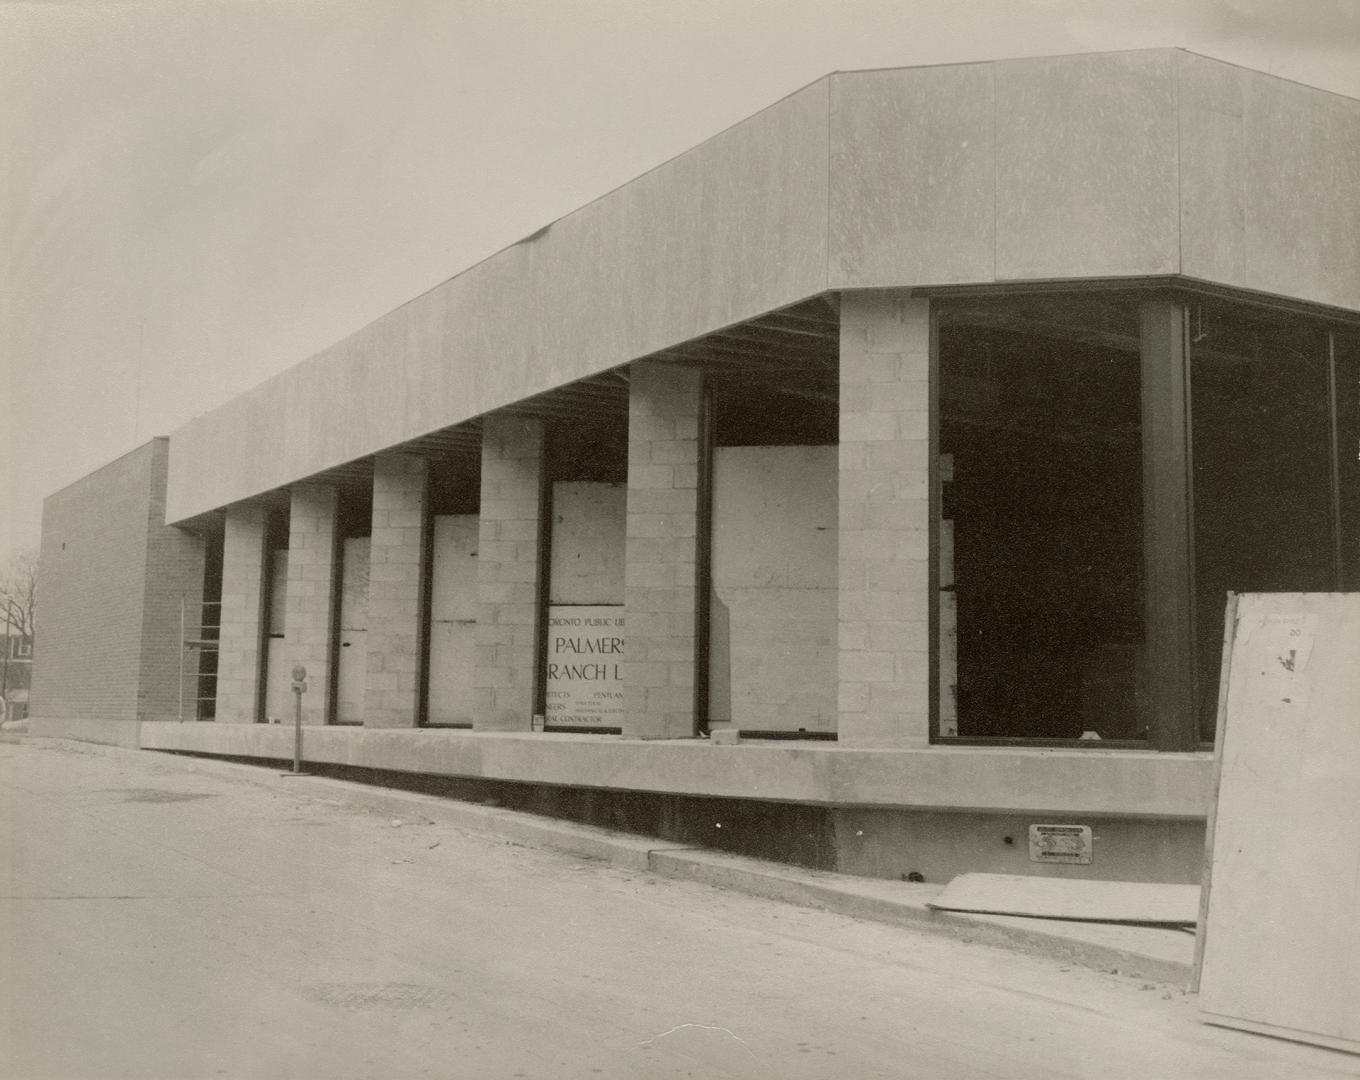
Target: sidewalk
[{"x": 1159, "y": 955}]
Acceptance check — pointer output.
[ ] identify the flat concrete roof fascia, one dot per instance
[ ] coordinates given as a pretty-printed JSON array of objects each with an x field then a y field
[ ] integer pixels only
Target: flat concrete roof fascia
[
  {"x": 726, "y": 231},
  {"x": 1105, "y": 166},
  {"x": 1097, "y": 783}
]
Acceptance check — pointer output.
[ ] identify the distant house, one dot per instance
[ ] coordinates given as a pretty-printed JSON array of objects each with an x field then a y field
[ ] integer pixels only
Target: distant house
[{"x": 16, "y": 674}]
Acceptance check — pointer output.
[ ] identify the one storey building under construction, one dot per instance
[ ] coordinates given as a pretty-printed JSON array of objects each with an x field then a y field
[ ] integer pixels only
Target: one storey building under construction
[{"x": 914, "y": 429}]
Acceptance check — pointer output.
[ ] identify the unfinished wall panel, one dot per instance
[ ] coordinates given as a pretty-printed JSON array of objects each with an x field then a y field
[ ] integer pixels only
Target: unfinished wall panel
[
  {"x": 773, "y": 648},
  {"x": 453, "y": 620}
]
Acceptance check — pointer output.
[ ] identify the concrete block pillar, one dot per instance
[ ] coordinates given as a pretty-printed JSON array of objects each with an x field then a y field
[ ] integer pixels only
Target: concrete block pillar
[
  {"x": 240, "y": 654},
  {"x": 660, "y": 552},
  {"x": 310, "y": 615},
  {"x": 508, "y": 572},
  {"x": 884, "y": 580},
  {"x": 396, "y": 588}
]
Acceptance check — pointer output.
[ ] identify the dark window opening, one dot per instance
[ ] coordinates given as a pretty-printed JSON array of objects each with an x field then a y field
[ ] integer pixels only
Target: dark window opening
[
  {"x": 1040, "y": 608},
  {"x": 1271, "y": 502},
  {"x": 1045, "y": 579}
]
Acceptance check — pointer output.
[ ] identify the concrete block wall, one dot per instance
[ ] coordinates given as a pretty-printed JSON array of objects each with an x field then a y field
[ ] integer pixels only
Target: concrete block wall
[
  {"x": 174, "y": 587},
  {"x": 396, "y": 590},
  {"x": 240, "y": 656},
  {"x": 92, "y": 580},
  {"x": 884, "y": 580},
  {"x": 660, "y": 550},
  {"x": 310, "y": 614},
  {"x": 111, "y": 574},
  {"x": 508, "y": 572}
]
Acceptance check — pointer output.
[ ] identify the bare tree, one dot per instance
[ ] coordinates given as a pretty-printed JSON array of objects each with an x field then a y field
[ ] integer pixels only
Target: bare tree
[{"x": 19, "y": 594}]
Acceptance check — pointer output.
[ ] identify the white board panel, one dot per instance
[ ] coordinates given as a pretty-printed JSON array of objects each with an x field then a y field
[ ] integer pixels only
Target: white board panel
[
  {"x": 453, "y": 656},
  {"x": 1281, "y": 948},
  {"x": 354, "y": 583},
  {"x": 351, "y": 677},
  {"x": 1071, "y": 898},
  {"x": 584, "y": 679},
  {"x": 278, "y": 589},
  {"x": 773, "y": 615},
  {"x": 453, "y": 588},
  {"x": 588, "y": 536},
  {"x": 278, "y": 694},
  {"x": 453, "y": 619},
  {"x": 352, "y": 665}
]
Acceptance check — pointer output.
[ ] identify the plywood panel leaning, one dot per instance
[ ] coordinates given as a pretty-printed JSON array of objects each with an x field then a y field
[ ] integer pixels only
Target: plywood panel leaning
[{"x": 1281, "y": 943}]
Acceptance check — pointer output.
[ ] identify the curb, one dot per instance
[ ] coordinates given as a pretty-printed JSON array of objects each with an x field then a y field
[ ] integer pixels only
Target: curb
[{"x": 895, "y": 903}]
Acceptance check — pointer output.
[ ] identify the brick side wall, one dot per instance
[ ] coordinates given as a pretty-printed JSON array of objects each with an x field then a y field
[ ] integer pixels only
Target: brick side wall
[
  {"x": 174, "y": 572},
  {"x": 92, "y": 578},
  {"x": 508, "y": 572},
  {"x": 240, "y": 655},
  {"x": 660, "y": 552},
  {"x": 883, "y": 651},
  {"x": 310, "y": 615},
  {"x": 396, "y": 590}
]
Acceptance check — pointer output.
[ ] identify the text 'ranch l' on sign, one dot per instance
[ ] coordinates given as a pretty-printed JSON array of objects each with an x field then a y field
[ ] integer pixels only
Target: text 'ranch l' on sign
[{"x": 584, "y": 677}]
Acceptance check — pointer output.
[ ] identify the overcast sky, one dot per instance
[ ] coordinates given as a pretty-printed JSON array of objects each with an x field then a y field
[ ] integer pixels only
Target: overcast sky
[{"x": 197, "y": 195}]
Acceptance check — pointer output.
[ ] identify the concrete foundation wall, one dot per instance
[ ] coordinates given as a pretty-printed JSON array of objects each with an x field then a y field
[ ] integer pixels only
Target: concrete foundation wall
[
  {"x": 111, "y": 576},
  {"x": 940, "y": 845},
  {"x": 1097, "y": 783},
  {"x": 879, "y": 813}
]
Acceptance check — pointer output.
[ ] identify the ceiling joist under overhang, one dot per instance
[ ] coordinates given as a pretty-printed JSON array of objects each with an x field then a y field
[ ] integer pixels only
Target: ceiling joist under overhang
[{"x": 794, "y": 352}]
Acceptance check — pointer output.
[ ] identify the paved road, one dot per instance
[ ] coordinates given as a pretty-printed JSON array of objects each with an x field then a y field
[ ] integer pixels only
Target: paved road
[{"x": 165, "y": 917}]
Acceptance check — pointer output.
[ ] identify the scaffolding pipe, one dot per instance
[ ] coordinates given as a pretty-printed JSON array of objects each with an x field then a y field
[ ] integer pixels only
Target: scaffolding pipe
[{"x": 182, "y": 647}]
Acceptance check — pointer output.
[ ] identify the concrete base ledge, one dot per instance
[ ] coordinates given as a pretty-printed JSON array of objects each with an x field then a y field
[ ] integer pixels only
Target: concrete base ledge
[
  {"x": 1140, "y": 952},
  {"x": 1108, "y": 783}
]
